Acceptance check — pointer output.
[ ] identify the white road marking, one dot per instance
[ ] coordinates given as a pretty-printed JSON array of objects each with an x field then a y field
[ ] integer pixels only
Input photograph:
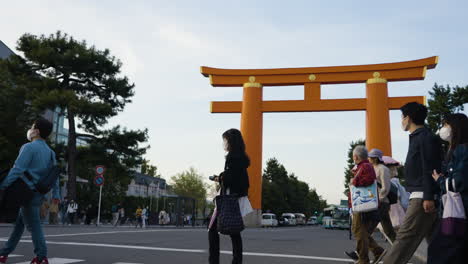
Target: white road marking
[
  {"x": 58, "y": 261},
  {"x": 257, "y": 254},
  {"x": 125, "y": 263},
  {"x": 118, "y": 232},
  {"x": 288, "y": 256},
  {"x": 14, "y": 256}
]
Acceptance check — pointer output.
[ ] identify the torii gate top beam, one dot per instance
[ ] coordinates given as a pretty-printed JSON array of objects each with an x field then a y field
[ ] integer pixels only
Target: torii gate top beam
[{"x": 397, "y": 71}]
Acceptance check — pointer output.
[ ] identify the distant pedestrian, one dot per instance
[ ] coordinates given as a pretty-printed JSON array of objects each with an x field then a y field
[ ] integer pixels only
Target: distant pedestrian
[
  {"x": 144, "y": 216},
  {"x": 44, "y": 210},
  {"x": 64, "y": 211},
  {"x": 139, "y": 217},
  {"x": 71, "y": 212},
  {"x": 53, "y": 212},
  {"x": 122, "y": 216},
  {"x": 115, "y": 214},
  {"x": 90, "y": 214}
]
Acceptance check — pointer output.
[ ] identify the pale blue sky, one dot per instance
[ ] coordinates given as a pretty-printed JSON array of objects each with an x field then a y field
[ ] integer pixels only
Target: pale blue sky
[{"x": 163, "y": 43}]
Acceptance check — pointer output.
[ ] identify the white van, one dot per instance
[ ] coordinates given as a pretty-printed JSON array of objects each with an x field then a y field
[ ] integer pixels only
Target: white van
[
  {"x": 300, "y": 219},
  {"x": 269, "y": 220},
  {"x": 290, "y": 219}
]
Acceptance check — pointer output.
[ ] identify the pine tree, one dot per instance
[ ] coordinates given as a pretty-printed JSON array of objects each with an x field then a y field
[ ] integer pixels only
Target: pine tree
[{"x": 445, "y": 101}]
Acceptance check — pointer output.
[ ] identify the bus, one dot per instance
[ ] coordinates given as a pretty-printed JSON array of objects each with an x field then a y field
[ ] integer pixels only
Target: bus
[
  {"x": 335, "y": 217},
  {"x": 340, "y": 218}
]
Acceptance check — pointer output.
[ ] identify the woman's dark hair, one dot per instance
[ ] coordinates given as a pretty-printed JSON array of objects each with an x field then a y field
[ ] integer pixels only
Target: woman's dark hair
[
  {"x": 417, "y": 112},
  {"x": 459, "y": 129},
  {"x": 235, "y": 142},
  {"x": 44, "y": 126}
]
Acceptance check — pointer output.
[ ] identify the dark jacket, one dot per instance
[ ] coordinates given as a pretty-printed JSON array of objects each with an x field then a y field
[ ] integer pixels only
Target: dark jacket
[
  {"x": 424, "y": 156},
  {"x": 235, "y": 176},
  {"x": 457, "y": 169}
]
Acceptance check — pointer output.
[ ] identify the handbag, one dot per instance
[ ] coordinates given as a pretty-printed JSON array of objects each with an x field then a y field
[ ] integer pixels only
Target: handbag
[
  {"x": 364, "y": 199},
  {"x": 229, "y": 215},
  {"x": 453, "y": 217},
  {"x": 392, "y": 194}
]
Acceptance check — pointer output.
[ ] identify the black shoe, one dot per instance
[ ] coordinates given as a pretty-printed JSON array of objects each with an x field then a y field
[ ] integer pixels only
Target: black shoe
[{"x": 352, "y": 255}]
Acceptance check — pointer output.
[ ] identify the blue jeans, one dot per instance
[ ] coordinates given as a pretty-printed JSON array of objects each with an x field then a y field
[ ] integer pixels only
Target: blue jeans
[{"x": 28, "y": 216}]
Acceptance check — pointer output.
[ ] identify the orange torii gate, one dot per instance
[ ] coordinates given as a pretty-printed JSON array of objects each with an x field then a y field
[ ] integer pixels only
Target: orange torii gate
[{"x": 376, "y": 104}]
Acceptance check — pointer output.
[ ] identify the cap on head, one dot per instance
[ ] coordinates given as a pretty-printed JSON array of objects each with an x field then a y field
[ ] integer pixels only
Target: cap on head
[{"x": 376, "y": 153}]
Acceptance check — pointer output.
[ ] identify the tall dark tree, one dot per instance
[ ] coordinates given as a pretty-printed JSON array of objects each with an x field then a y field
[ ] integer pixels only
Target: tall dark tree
[
  {"x": 119, "y": 150},
  {"x": 15, "y": 112},
  {"x": 350, "y": 164},
  {"x": 285, "y": 193},
  {"x": 86, "y": 83},
  {"x": 443, "y": 101}
]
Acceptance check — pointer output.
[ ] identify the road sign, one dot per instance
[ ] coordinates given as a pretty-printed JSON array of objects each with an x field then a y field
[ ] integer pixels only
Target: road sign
[
  {"x": 99, "y": 180},
  {"x": 100, "y": 170}
]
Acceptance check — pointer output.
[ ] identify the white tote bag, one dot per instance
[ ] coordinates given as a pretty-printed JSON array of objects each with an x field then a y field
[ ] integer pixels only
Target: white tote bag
[
  {"x": 364, "y": 199},
  {"x": 454, "y": 217},
  {"x": 245, "y": 206}
]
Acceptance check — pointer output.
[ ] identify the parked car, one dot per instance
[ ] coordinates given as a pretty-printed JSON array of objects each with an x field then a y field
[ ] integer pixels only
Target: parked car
[
  {"x": 289, "y": 219},
  {"x": 312, "y": 220},
  {"x": 269, "y": 220},
  {"x": 300, "y": 219}
]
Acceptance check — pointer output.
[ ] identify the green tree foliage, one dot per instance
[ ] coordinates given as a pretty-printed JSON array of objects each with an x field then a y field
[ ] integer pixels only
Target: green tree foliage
[
  {"x": 444, "y": 101},
  {"x": 148, "y": 169},
  {"x": 190, "y": 184},
  {"x": 15, "y": 112},
  {"x": 350, "y": 164},
  {"x": 86, "y": 83},
  {"x": 283, "y": 192},
  {"x": 119, "y": 150}
]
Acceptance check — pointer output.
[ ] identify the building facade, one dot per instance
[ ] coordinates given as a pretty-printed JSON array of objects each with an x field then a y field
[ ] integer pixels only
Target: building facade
[{"x": 145, "y": 186}]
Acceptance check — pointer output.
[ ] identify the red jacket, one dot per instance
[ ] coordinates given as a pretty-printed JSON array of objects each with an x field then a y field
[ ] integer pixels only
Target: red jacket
[{"x": 364, "y": 175}]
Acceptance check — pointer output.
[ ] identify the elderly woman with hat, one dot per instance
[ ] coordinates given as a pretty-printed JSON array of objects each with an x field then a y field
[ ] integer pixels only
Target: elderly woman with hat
[{"x": 384, "y": 182}]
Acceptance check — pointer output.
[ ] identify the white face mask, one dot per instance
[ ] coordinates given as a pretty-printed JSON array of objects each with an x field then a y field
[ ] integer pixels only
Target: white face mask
[
  {"x": 446, "y": 133},
  {"x": 404, "y": 126},
  {"x": 31, "y": 134},
  {"x": 225, "y": 145}
]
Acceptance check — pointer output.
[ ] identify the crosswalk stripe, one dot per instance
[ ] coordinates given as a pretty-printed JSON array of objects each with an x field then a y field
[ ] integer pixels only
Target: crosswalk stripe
[
  {"x": 15, "y": 256},
  {"x": 57, "y": 261}
]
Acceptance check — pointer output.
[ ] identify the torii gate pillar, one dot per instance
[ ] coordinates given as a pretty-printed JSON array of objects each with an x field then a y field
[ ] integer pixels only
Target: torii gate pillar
[
  {"x": 252, "y": 131},
  {"x": 378, "y": 117}
]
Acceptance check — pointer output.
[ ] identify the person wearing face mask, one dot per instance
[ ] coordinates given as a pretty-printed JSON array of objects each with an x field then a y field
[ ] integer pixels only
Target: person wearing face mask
[
  {"x": 448, "y": 249},
  {"x": 33, "y": 158},
  {"x": 423, "y": 157},
  {"x": 233, "y": 180}
]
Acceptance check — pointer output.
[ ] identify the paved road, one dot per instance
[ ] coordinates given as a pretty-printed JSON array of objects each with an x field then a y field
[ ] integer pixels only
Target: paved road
[{"x": 77, "y": 244}]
